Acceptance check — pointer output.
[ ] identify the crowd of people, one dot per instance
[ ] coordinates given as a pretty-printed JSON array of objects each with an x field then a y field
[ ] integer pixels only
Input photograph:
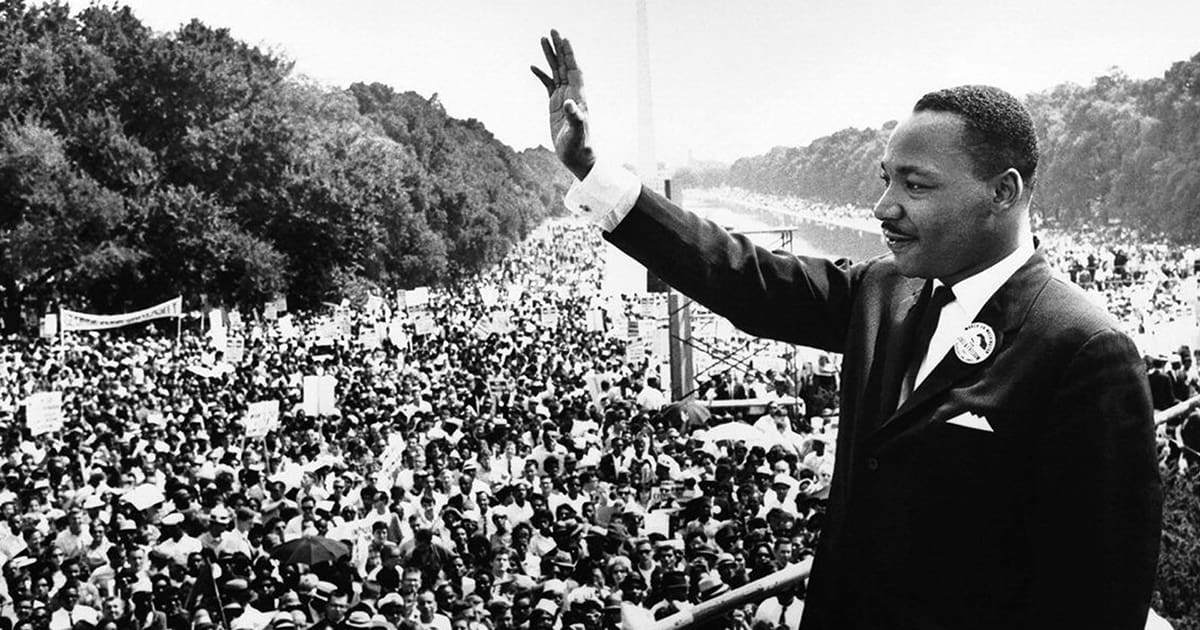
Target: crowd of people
[{"x": 497, "y": 459}]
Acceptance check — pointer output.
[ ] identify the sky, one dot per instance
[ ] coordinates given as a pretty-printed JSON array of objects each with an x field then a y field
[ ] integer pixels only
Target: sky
[{"x": 730, "y": 78}]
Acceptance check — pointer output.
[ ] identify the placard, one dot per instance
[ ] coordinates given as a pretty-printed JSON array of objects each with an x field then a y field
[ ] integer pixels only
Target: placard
[
  {"x": 287, "y": 329},
  {"x": 261, "y": 418},
  {"x": 423, "y": 325},
  {"x": 49, "y": 326},
  {"x": 416, "y": 297},
  {"x": 595, "y": 320},
  {"x": 657, "y": 522},
  {"x": 635, "y": 352},
  {"x": 319, "y": 395},
  {"x": 235, "y": 350},
  {"x": 43, "y": 413},
  {"x": 396, "y": 334}
]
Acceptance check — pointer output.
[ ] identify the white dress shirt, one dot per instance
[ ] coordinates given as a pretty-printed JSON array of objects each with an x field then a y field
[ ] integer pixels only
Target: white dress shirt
[{"x": 970, "y": 294}]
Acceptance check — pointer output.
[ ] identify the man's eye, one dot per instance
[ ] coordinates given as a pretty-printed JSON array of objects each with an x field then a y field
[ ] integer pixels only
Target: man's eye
[{"x": 915, "y": 186}]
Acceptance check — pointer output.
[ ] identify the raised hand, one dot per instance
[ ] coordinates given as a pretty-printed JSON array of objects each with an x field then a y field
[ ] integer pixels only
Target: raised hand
[{"x": 568, "y": 109}]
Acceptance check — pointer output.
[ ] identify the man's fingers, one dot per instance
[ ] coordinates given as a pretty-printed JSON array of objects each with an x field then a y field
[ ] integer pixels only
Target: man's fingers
[
  {"x": 546, "y": 80},
  {"x": 552, "y": 59},
  {"x": 560, "y": 71},
  {"x": 572, "y": 73}
]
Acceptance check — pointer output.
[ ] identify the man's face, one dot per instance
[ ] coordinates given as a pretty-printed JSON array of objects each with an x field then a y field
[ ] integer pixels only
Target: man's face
[
  {"x": 336, "y": 608},
  {"x": 427, "y": 605},
  {"x": 935, "y": 212}
]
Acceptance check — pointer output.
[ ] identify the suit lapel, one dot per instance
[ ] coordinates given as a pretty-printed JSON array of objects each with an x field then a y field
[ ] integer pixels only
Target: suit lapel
[
  {"x": 893, "y": 347},
  {"x": 1004, "y": 312}
]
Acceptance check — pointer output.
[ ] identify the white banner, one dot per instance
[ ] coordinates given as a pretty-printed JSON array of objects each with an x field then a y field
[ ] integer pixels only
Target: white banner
[
  {"x": 261, "y": 418},
  {"x": 74, "y": 320},
  {"x": 43, "y": 413}
]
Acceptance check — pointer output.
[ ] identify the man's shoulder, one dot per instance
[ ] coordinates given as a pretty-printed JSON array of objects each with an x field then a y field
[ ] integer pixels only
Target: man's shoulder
[{"x": 1064, "y": 306}]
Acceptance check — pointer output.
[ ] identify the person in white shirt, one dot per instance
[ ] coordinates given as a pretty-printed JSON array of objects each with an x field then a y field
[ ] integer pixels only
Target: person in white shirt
[
  {"x": 651, "y": 398},
  {"x": 72, "y": 612},
  {"x": 782, "y": 611}
]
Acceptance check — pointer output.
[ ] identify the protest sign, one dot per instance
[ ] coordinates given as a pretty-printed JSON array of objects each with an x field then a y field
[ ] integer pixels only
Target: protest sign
[
  {"x": 43, "y": 413},
  {"x": 319, "y": 395},
  {"x": 287, "y": 329},
  {"x": 74, "y": 320},
  {"x": 261, "y": 418},
  {"x": 368, "y": 338},
  {"x": 235, "y": 350},
  {"x": 49, "y": 326},
  {"x": 396, "y": 334},
  {"x": 635, "y": 352},
  {"x": 502, "y": 322},
  {"x": 657, "y": 522},
  {"x": 595, "y": 320},
  {"x": 423, "y": 325},
  {"x": 416, "y": 297},
  {"x": 489, "y": 295}
]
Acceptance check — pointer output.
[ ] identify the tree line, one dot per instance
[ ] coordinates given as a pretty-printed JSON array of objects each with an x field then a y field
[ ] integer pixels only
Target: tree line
[
  {"x": 136, "y": 166},
  {"x": 1117, "y": 150}
]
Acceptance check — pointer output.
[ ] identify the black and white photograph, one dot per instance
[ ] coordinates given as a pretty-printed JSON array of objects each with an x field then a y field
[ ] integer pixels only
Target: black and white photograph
[{"x": 610, "y": 315}]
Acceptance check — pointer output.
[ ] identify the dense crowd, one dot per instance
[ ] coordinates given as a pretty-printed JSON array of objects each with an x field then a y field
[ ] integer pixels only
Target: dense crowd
[{"x": 497, "y": 459}]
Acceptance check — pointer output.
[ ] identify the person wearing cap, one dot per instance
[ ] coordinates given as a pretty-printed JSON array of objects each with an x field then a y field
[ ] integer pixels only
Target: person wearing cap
[
  {"x": 1161, "y": 391},
  {"x": 674, "y": 595},
  {"x": 966, "y": 363},
  {"x": 333, "y": 611},
  {"x": 176, "y": 543},
  {"x": 544, "y": 615},
  {"x": 219, "y": 519},
  {"x": 391, "y": 606}
]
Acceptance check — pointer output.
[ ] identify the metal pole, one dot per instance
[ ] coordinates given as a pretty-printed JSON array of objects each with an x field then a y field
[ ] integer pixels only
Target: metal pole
[{"x": 779, "y": 581}]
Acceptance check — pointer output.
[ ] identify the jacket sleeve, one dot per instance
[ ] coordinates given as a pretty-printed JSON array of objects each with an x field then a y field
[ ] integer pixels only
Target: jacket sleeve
[
  {"x": 776, "y": 294},
  {"x": 1097, "y": 498}
]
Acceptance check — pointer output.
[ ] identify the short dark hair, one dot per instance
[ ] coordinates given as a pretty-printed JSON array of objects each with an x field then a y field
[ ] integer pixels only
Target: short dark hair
[{"x": 999, "y": 131}]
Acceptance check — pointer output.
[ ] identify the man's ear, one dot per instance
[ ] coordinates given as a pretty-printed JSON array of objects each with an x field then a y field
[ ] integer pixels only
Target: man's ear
[{"x": 1007, "y": 188}]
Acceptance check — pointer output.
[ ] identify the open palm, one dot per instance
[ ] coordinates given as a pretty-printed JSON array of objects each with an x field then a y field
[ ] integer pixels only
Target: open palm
[{"x": 568, "y": 109}]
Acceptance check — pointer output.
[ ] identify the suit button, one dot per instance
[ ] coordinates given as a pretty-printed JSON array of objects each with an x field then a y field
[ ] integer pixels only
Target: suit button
[{"x": 872, "y": 464}]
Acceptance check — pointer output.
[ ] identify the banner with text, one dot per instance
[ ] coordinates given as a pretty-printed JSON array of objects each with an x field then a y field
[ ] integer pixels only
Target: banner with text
[{"x": 74, "y": 320}]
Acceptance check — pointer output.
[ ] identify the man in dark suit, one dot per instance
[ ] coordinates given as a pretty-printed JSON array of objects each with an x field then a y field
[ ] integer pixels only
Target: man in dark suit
[{"x": 995, "y": 461}]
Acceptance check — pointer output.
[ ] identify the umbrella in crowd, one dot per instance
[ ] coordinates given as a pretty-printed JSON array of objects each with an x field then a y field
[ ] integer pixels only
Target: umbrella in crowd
[
  {"x": 309, "y": 550},
  {"x": 685, "y": 413}
]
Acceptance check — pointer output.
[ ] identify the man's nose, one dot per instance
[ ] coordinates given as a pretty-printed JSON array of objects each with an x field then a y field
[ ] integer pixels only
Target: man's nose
[{"x": 888, "y": 208}]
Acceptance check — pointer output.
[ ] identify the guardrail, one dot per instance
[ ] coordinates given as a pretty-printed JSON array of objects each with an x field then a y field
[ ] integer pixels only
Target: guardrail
[
  {"x": 1179, "y": 409},
  {"x": 762, "y": 588},
  {"x": 726, "y": 403}
]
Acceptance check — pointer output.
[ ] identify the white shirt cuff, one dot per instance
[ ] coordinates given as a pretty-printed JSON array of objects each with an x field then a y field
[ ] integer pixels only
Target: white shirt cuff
[{"x": 605, "y": 196}]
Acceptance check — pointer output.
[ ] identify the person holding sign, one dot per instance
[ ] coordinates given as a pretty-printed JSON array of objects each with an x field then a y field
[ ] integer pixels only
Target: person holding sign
[{"x": 996, "y": 458}]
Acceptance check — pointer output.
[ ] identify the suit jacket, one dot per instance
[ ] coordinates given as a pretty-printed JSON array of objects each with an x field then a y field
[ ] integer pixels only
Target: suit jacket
[{"x": 1049, "y": 519}]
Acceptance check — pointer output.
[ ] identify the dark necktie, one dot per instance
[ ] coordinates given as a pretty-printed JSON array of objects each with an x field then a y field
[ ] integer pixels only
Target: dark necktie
[
  {"x": 783, "y": 615},
  {"x": 942, "y": 295}
]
